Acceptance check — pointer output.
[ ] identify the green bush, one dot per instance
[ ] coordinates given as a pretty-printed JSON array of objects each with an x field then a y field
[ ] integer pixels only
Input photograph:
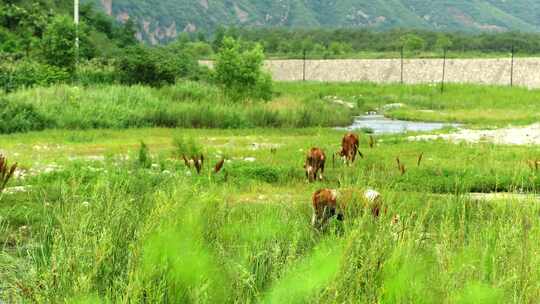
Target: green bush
[
  {"x": 58, "y": 43},
  {"x": 20, "y": 117},
  {"x": 96, "y": 71},
  {"x": 155, "y": 66},
  {"x": 28, "y": 73},
  {"x": 240, "y": 72}
]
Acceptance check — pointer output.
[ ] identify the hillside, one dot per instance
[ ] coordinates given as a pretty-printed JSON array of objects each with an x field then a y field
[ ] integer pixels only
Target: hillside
[{"x": 160, "y": 21}]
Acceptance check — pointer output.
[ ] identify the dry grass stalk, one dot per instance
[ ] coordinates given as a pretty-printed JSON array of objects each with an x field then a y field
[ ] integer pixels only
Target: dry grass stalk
[
  {"x": 371, "y": 142},
  {"x": 420, "y": 158},
  {"x": 195, "y": 161},
  {"x": 6, "y": 172},
  {"x": 401, "y": 166},
  {"x": 219, "y": 165},
  {"x": 198, "y": 163},
  {"x": 534, "y": 164}
]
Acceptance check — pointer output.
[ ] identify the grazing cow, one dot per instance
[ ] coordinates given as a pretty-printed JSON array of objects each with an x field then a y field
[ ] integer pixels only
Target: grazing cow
[
  {"x": 315, "y": 164},
  {"x": 329, "y": 202},
  {"x": 349, "y": 148},
  {"x": 324, "y": 206}
]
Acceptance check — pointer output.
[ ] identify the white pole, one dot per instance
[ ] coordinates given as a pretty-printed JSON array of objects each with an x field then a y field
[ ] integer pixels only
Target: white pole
[{"x": 76, "y": 17}]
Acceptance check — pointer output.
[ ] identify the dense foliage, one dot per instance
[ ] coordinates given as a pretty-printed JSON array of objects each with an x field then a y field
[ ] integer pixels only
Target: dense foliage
[
  {"x": 183, "y": 105},
  {"x": 348, "y": 42},
  {"x": 155, "y": 66},
  {"x": 240, "y": 72}
]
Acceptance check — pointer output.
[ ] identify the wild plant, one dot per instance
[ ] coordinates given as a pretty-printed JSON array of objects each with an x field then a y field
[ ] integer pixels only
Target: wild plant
[{"x": 6, "y": 172}]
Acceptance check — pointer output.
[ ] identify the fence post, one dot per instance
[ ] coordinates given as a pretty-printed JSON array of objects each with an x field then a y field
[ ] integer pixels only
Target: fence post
[
  {"x": 443, "y": 71},
  {"x": 512, "y": 68},
  {"x": 402, "y": 65},
  {"x": 304, "y": 67}
]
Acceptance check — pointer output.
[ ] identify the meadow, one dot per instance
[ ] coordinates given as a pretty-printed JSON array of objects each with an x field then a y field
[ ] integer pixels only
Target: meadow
[{"x": 96, "y": 216}]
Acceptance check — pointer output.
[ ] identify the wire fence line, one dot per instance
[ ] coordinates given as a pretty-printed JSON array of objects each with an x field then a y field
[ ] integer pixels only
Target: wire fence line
[{"x": 511, "y": 71}]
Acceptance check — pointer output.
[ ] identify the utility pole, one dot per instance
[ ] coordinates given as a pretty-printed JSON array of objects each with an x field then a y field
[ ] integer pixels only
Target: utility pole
[
  {"x": 443, "y": 71},
  {"x": 304, "y": 67},
  {"x": 512, "y": 68},
  {"x": 402, "y": 64},
  {"x": 76, "y": 19}
]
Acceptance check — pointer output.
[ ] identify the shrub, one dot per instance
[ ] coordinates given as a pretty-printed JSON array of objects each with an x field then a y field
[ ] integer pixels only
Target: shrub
[
  {"x": 58, "y": 43},
  {"x": 28, "y": 73},
  {"x": 20, "y": 117},
  {"x": 186, "y": 146},
  {"x": 155, "y": 66},
  {"x": 96, "y": 71},
  {"x": 240, "y": 72}
]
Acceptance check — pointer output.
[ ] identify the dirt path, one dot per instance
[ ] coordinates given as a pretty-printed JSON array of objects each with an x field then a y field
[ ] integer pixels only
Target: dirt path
[{"x": 529, "y": 135}]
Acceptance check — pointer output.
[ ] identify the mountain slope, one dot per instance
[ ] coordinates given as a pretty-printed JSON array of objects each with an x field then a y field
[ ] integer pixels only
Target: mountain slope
[{"x": 163, "y": 20}]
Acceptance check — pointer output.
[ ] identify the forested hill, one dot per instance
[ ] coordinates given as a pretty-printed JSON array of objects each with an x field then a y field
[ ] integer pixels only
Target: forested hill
[{"x": 163, "y": 20}]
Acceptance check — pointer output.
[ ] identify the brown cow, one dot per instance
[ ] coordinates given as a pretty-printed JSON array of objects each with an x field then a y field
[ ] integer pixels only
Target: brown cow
[
  {"x": 314, "y": 163},
  {"x": 324, "y": 206},
  {"x": 349, "y": 148},
  {"x": 329, "y": 202}
]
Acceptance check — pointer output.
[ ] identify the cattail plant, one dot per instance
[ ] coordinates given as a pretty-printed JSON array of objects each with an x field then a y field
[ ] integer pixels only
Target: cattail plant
[
  {"x": 401, "y": 166},
  {"x": 371, "y": 142},
  {"x": 6, "y": 172},
  {"x": 219, "y": 165},
  {"x": 420, "y": 159},
  {"x": 533, "y": 164}
]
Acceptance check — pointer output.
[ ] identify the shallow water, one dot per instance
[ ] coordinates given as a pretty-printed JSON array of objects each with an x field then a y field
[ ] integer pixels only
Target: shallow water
[{"x": 383, "y": 125}]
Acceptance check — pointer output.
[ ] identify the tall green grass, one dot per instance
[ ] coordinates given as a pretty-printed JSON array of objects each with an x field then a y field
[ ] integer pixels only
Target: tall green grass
[
  {"x": 184, "y": 105},
  {"x": 134, "y": 234},
  {"x": 471, "y": 104}
]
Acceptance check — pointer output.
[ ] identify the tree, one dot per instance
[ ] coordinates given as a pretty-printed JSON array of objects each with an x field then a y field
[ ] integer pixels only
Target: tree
[
  {"x": 413, "y": 43},
  {"x": 217, "y": 43},
  {"x": 443, "y": 42},
  {"x": 126, "y": 34},
  {"x": 58, "y": 43},
  {"x": 240, "y": 72},
  {"x": 155, "y": 66}
]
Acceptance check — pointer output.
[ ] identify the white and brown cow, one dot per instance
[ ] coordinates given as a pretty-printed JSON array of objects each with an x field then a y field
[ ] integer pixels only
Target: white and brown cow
[
  {"x": 349, "y": 148},
  {"x": 327, "y": 203},
  {"x": 314, "y": 164}
]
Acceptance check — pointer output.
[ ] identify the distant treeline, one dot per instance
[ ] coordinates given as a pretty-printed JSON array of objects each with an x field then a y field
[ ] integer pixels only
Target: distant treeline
[{"x": 342, "y": 42}]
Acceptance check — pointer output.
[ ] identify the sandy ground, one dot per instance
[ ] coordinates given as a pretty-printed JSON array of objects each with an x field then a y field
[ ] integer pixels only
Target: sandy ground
[
  {"x": 504, "y": 196},
  {"x": 529, "y": 135}
]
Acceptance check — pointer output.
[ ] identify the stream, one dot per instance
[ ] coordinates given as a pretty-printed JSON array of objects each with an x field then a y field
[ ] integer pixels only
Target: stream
[{"x": 379, "y": 124}]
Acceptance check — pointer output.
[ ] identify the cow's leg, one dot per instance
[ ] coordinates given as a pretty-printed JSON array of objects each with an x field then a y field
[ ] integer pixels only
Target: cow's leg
[
  {"x": 317, "y": 219},
  {"x": 322, "y": 171},
  {"x": 314, "y": 219}
]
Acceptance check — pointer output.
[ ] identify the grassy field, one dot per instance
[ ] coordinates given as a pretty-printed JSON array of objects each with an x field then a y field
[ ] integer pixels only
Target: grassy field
[
  {"x": 475, "y": 105},
  {"x": 98, "y": 219}
]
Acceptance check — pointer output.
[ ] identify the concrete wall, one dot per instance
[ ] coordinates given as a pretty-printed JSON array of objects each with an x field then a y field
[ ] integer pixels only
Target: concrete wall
[{"x": 481, "y": 71}]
